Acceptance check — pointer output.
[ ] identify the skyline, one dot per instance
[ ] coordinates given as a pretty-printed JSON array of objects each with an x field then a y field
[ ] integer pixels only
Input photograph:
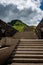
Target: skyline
[{"x": 28, "y": 11}]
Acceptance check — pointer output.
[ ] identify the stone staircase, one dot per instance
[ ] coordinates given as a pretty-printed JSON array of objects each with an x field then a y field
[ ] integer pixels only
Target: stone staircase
[
  {"x": 27, "y": 52},
  {"x": 25, "y": 35}
]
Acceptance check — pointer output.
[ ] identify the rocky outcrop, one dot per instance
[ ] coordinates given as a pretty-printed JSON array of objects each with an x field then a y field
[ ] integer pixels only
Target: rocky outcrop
[
  {"x": 6, "y": 30},
  {"x": 39, "y": 30}
]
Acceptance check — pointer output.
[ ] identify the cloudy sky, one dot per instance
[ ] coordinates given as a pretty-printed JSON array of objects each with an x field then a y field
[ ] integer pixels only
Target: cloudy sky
[{"x": 29, "y": 11}]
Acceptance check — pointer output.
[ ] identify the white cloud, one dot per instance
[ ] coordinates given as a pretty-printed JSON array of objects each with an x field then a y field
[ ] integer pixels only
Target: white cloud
[
  {"x": 28, "y": 10},
  {"x": 21, "y": 4}
]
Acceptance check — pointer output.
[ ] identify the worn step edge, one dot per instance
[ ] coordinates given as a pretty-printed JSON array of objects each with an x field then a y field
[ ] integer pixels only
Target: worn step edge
[
  {"x": 27, "y": 60},
  {"x": 31, "y": 40},
  {"x": 26, "y": 64},
  {"x": 30, "y": 47},
  {"x": 26, "y": 56},
  {"x": 32, "y": 44},
  {"x": 29, "y": 52}
]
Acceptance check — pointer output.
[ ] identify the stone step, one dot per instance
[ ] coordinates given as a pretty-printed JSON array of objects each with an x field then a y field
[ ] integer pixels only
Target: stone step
[
  {"x": 27, "y": 56},
  {"x": 31, "y": 42},
  {"x": 29, "y": 49},
  {"x": 25, "y": 64},
  {"x": 27, "y": 60},
  {"x": 28, "y": 52},
  {"x": 30, "y": 46}
]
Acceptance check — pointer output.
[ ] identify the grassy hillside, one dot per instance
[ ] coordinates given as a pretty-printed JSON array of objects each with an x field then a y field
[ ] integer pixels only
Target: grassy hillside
[{"x": 18, "y": 25}]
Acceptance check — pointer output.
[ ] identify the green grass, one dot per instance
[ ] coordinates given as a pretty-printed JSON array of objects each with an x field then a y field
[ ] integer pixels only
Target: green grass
[
  {"x": 20, "y": 28},
  {"x": 18, "y": 25}
]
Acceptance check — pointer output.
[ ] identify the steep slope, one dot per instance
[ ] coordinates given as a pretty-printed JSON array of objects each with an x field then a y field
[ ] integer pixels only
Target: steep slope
[{"x": 18, "y": 25}]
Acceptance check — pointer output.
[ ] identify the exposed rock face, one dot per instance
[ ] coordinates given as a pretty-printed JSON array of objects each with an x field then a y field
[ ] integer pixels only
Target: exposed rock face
[
  {"x": 39, "y": 29},
  {"x": 6, "y": 29}
]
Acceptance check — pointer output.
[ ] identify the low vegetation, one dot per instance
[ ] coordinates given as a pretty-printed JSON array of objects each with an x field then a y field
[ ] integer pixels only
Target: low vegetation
[{"x": 20, "y": 26}]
